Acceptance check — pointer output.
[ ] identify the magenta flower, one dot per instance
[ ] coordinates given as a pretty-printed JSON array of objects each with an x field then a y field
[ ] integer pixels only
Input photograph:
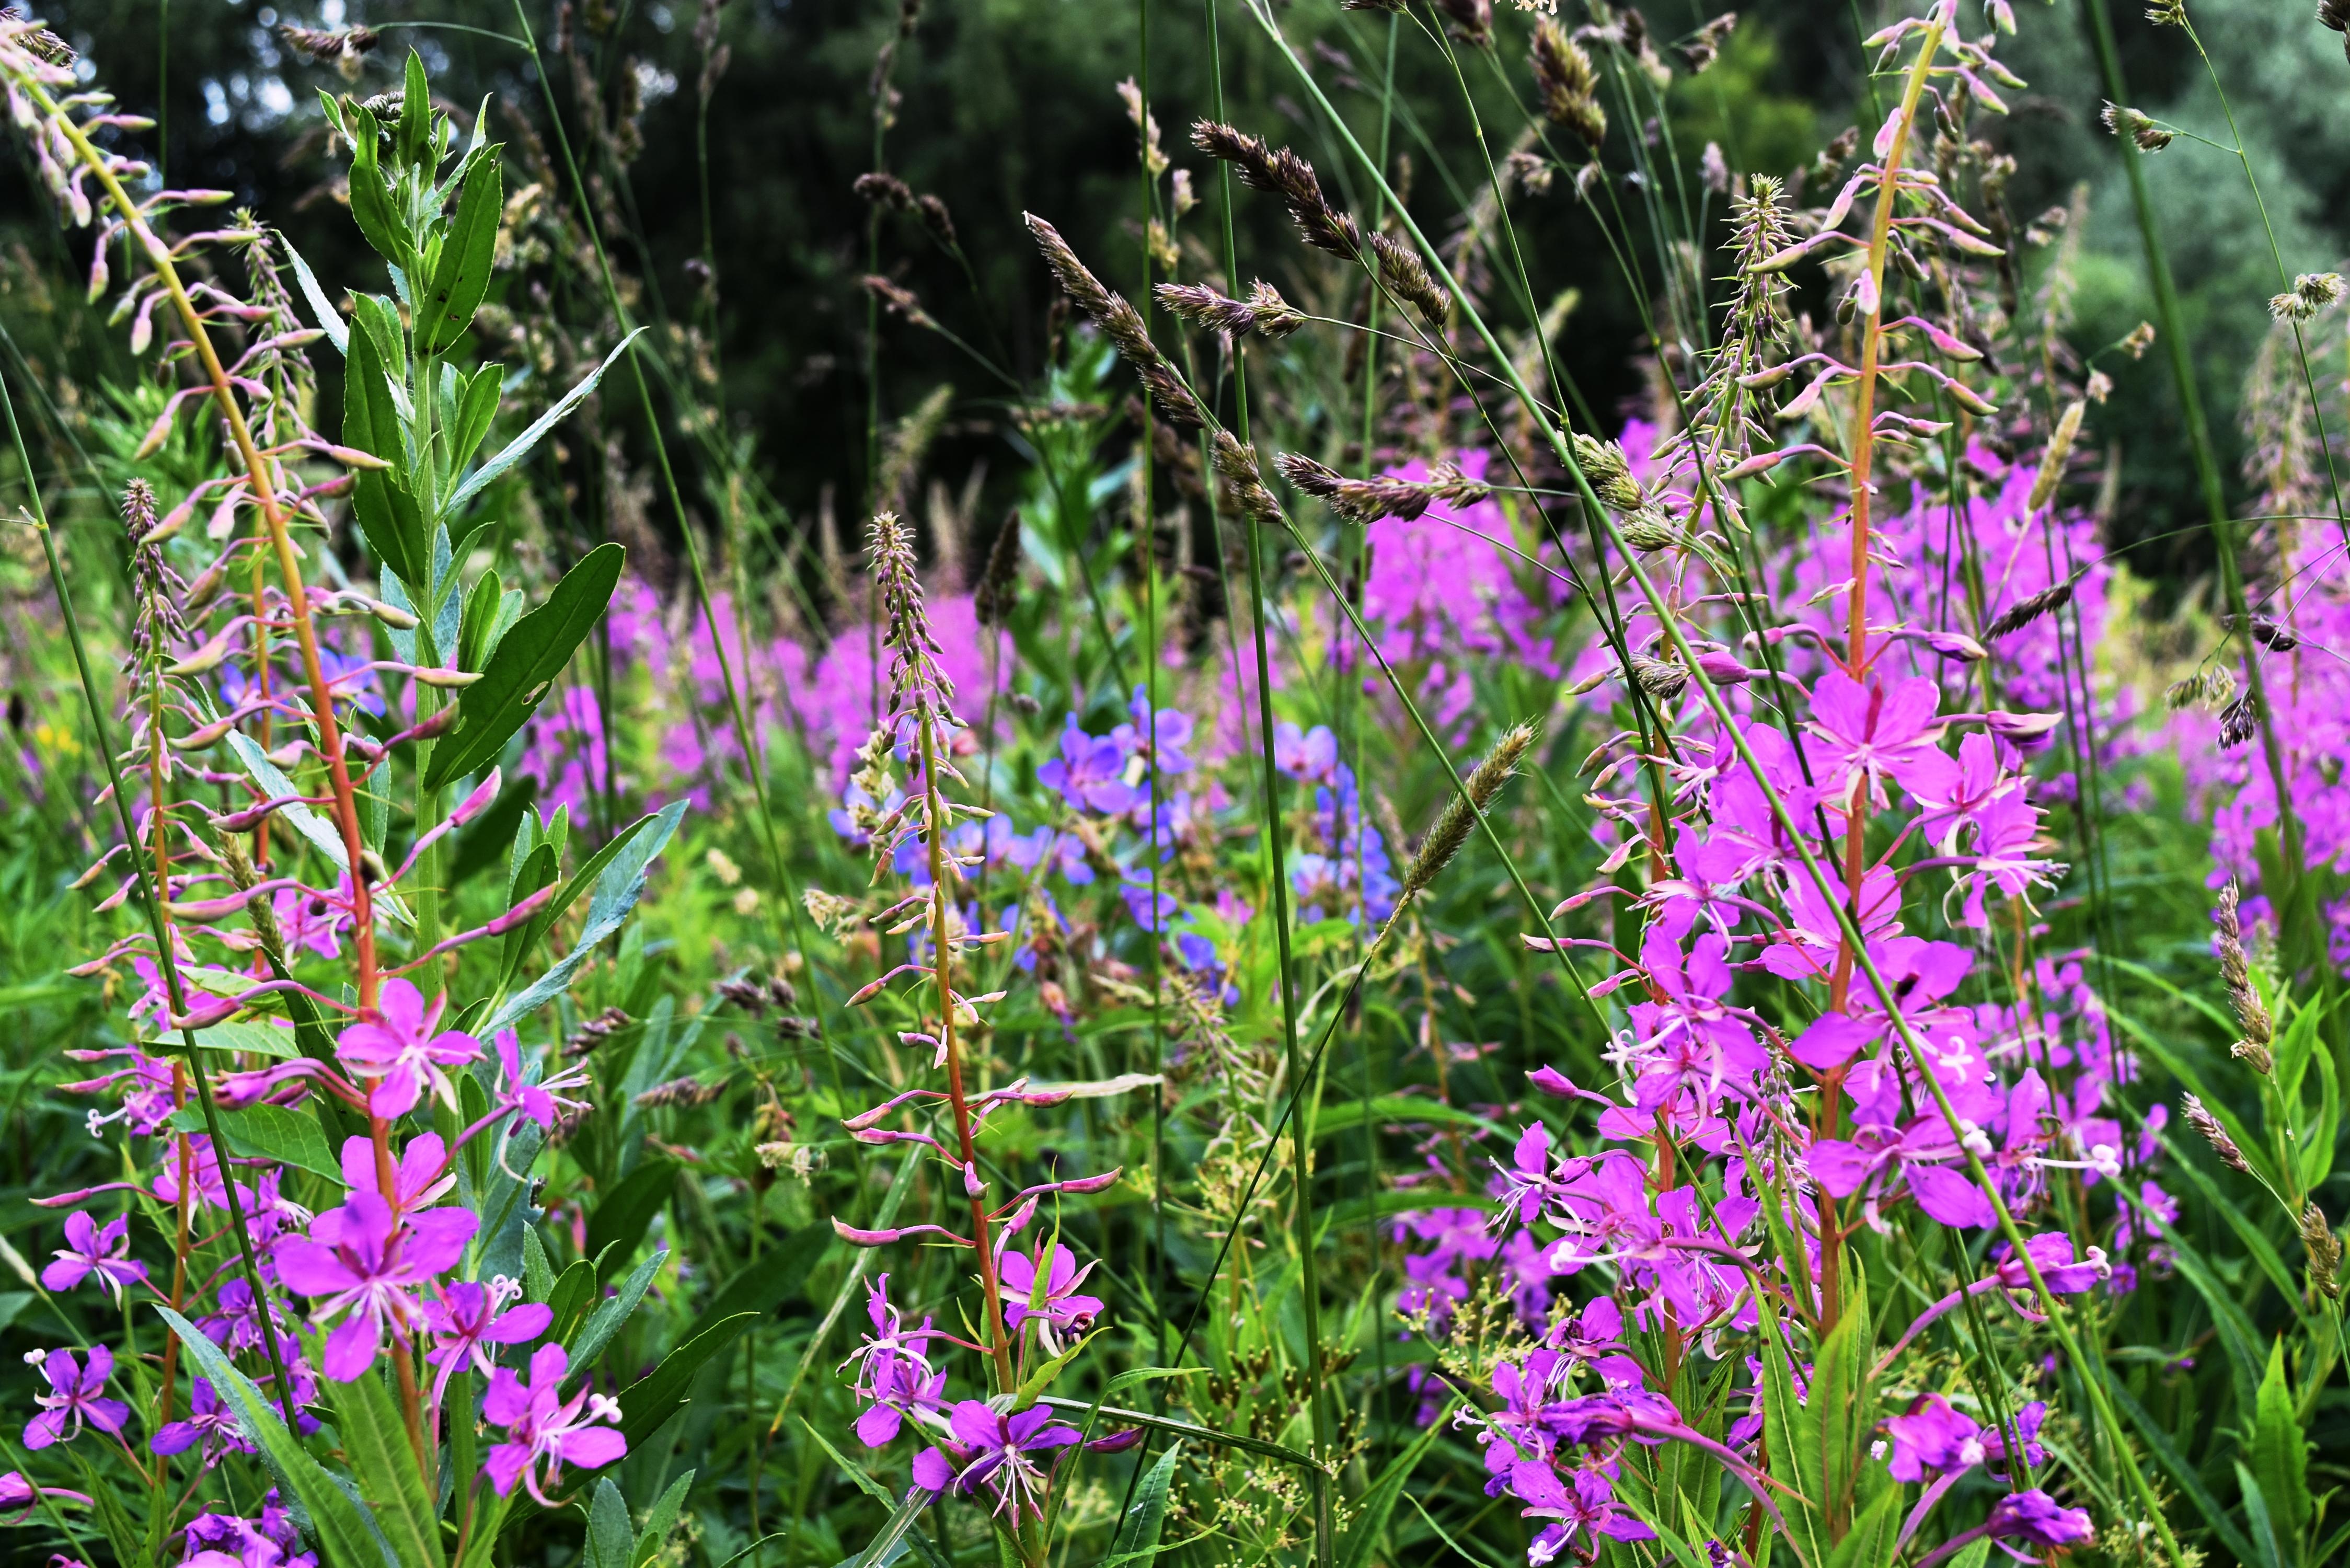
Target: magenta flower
[
  {"x": 1057, "y": 1306},
  {"x": 1933, "y": 1436},
  {"x": 209, "y": 1421},
  {"x": 76, "y": 1395},
  {"x": 2035, "y": 1516},
  {"x": 539, "y": 1100},
  {"x": 420, "y": 1178},
  {"x": 467, "y": 1325},
  {"x": 1883, "y": 730},
  {"x": 894, "y": 1368},
  {"x": 369, "y": 1264},
  {"x": 92, "y": 1250},
  {"x": 1001, "y": 1447},
  {"x": 1583, "y": 1505},
  {"x": 401, "y": 1047},
  {"x": 541, "y": 1425}
]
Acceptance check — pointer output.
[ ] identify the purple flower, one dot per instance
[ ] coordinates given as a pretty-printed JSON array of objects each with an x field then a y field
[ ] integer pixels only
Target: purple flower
[
  {"x": 307, "y": 921},
  {"x": 74, "y": 1396},
  {"x": 209, "y": 1420},
  {"x": 403, "y": 1050},
  {"x": 92, "y": 1250},
  {"x": 467, "y": 1325},
  {"x": 1951, "y": 1197},
  {"x": 226, "y": 1541},
  {"x": 1000, "y": 1448},
  {"x": 2035, "y": 1516},
  {"x": 542, "y": 1424},
  {"x": 1159, "y": 740},
  {"x": 540, "y": 1101},
  {"x": 422, "y": 1177},
  {"x": 1883, "y": 730},
  {"x": 893, "y": 1368},
  {"x": 1089, "y": 772},
  {"x": 1933, "y": 1436},
  {"x": 369, "y": 1264},
  {"x": 1055, "y": 1303},
  {"x": 1584, "y": 1504}
]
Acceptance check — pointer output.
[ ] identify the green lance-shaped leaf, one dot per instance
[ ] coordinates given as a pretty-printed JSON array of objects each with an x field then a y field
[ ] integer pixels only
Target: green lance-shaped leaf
[
  {"x": 487, "y": 474},
  {"x": 659, "y": 1520},
  {"x": 620, "y": 883},
  {"x": 274, "y": 1132},
  {"x": 607, "y": 1319},
  {"x": 371, "y": 205},
  {"x": 322, "y": 309},
  {"x": 1145, "y": 1520},
  {"x": 347, "y": 1534},
  {"x": 611, "y": 1541},
  {"x": 523, "y": 669},
  {"x": 651, "y": 1400},
  {"x": 620, "y": 1220},
  {"x": 2280, "y": 1453},
  {"x": 461, "y": 277},
  {"x": 384, "y": 1467}
]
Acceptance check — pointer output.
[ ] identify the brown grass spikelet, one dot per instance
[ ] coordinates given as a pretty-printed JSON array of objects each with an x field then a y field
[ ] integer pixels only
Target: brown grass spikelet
[
  {"x": 2200, "y": 1118},
  {"x": 2025, "y": 611},
  {"x": 1569, "y": 85},
  {"x": 1119, "y": 321},
  {"x": 1263, "y": 311},
  {"x": 2123, "y": 120},
  {"x": 1461, "y": 813},
  {"x": 1367, "y": 500},
  {"x": 1238, "y": 464},
  {"x": 884, "y": 189},
  {"x": 2324, "y": 1250},
  {"x": 1407, "y": 277},
  {"x": 1472, "y": 20},
  {"x": 999, "y": 582},
  {"x": 898, "y": 300},
  {"x": 1283, "y": 173},
  {"x": 2235, "y": 971},
  {"x": 342, "y": 47}
]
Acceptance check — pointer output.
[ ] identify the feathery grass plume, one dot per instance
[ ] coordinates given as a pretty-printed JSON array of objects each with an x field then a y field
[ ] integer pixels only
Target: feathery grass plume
[
  {"x": 1702, "y": 48},
  {"x": 2312, "y": 292},
  {"x": 342, "y": 47},
  {"x": 1238, "y": 464},
  {"x": 1529, "y": 172},
  {"x": 1461, "y": 813},
  {"x": 884, "y": 189},
  {"x": 897, "y": 299},
  {"x": 1570, "y": 87},
  {"x": 2324, "y": 1250},
  {"x": 1650, "y": 528},
  {"x": 2200, "y": 1118},
  {"x": 2213, "y": 687},
  {"x": 1283, "y": 173},
  {"x": 2235, "y": 970},
  {"x": 682, "y": 1092},
  {"x": 2060, "y": 449},
  {"x": 2170, "y": 13},
  {"x": 2025, "y": 611},
  {"x": 936, "y": 218},
  {"x": 1609, "y": 472},
  {"x": 1119, "y": 322},
  {"x": 1472, "y": 20},
  {"x": 1407, "y": 277},
  {"x": 1367, "y": 500},
  {"x": 909, "y": 443},
  {"x": 1659, "y": 678},
  {"x": 1263, "y": 311},
  {"x": 2139, "y": 128},
  {"x": 999, "y": 582}
]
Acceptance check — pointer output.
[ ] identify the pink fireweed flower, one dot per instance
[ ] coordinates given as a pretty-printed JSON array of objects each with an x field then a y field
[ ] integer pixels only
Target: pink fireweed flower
[
  {"x": 539, "y": 1100},
  {"x": 92, "y": 1250},
  {"x": 1886, "y": 730},
  {"x": 1003, "y": 1448},
  {"x": 423, "y": 1176},
  {"x": 2037, "y": 1517},
  {"x": 1583, "y": 1504},
  {"x": 893, "y": 1365},
  {"x": 401, "y": 1048},
  {"x": 541, "y": 1425},
  {"x": 1058, "y": 1307},
  {"x": 76, "y": 1393},
  {"x": 208, "y": 1421},
  {"x": 468, "y": 1325},
  {"x": 369, "y": 1264}
]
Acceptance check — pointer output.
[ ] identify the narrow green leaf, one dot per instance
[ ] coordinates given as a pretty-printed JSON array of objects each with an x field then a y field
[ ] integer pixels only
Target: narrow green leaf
[
  {"x": 620, "y": 883},
  {"x": 611, "y": 1544},
  {"x": 475, "y": 412},
  {"x": 371, "y": 205},
  {"x": 330, "y": 320},
  {"x": 524, "y": 667},
  {"x": 346, "y": 1535},
  {"x": 653, "y": 1399},
  {"x": 2190, "y": 1482},
  {"x": 2279, "y": 1451},
  {"x": 607, "y": 1319},
  {"x": 1371, "y": 1512},
  {"x": 660, "y": 1521},
  {"x": 876, "y": 1490},
  {"x": 1145, "y": 1520},
  {"x": 620, "y": 1220},
  {"x": 487, "y": 474},
  {"x": 461, "y": 275},
  {"x": 384, "y": 1467},
  {"x": 2256, "y": 1511}
]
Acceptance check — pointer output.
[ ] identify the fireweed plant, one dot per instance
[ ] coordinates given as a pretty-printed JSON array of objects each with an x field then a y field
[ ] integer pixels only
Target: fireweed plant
[
  {"x": 358, "y": 1352},
  {"x": 1210, "y": 1115}
]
